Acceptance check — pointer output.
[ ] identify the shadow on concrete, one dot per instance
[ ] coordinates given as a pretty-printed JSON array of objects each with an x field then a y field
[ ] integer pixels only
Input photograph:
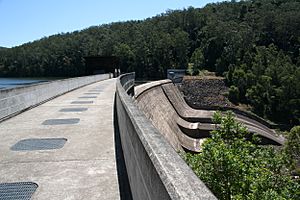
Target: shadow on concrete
[{"x": 124, "y": 187}]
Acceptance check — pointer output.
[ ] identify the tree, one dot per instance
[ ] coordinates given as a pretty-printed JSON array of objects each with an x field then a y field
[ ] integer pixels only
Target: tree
[
  {"x": 234, "y": 94},
  {"x": 197, "y": 61},
  {"x": 126, "y": 55},
  {"x": 181, "y": 43},
  {"x": 239, "y": 79},
  {"x": 292, "y": 147},
  {"x": 234, "y": 167}
]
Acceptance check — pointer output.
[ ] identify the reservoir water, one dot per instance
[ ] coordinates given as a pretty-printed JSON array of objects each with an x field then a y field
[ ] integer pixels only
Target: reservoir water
[{"x": 6, "y": 83}]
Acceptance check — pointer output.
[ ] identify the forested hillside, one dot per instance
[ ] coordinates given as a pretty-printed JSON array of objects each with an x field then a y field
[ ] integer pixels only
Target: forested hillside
[{"x": 254, "y": 43}]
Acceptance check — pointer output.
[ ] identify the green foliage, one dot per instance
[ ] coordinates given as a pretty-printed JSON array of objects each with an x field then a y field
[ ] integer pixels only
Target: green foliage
[
  {"x": 125, "y": 54},
  {"x": 235, "y": 168},
  {"x": 271, "y": 84},
  {"x": 292, "y": 147},
  {"x": 197, "y": 61},
  {"x": 234, "y": 94},
  {"x": 190, "y": 69},
  {"x": 239, "y": 79},
  {"x": 255, "y": 43}
]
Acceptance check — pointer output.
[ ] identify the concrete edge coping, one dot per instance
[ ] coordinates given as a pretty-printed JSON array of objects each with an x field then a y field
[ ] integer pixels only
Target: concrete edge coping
[
  {"x": 140, "y": 89},
  {"x": 179, "y": 180}
]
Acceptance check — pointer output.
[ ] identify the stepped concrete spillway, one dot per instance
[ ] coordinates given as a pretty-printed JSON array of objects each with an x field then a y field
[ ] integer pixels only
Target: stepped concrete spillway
[
  {"x": 66, "y": 146},
  {"x": 182, "y": 126}
]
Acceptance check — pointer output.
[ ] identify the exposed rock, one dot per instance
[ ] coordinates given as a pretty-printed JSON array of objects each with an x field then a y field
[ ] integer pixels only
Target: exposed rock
[{"x": 203, "y": 92}]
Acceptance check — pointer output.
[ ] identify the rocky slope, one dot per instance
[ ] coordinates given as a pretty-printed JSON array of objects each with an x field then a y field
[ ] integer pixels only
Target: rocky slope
[{"x": 205, "y": 92}]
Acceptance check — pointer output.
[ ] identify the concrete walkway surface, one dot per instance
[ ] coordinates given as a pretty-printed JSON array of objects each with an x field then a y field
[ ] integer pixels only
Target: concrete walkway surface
[{"x": 85, "y": 166}]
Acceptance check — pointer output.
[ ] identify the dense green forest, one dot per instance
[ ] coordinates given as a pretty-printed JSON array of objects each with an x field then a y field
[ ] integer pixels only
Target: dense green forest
[{"x": 255, "y": 44}]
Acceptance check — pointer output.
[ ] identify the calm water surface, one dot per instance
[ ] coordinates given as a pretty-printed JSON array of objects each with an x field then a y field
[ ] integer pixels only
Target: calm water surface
[{"x": 17, "y": 82}]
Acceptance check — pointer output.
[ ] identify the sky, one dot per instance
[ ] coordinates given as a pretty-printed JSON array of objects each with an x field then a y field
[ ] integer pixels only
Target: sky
[{"x": 22, "y": 21}]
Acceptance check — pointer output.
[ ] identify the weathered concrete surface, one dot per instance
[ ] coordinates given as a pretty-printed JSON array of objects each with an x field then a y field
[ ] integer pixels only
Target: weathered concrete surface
[
  {"x": 155, "y": 170},
  {"x": 158, "y": 109},
  {"x": 183, "y": 126},
  {"x": 189, "y": 113},
  {"x": 15, "y": 100},
  {"x": 85, "y": 168}
]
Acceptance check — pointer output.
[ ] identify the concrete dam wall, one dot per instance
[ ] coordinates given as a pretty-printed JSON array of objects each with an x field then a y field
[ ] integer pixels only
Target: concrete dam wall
[
  {"x": 155, "y": 170},
  {"x": 16, "y": 100},
  {"x": 184, "y": 127}
]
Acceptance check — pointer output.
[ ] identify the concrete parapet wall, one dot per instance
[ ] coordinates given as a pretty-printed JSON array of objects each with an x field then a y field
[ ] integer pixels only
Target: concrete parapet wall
[
  {"x": 154, "y": 168},
  {"x": 15, "y": 100}
]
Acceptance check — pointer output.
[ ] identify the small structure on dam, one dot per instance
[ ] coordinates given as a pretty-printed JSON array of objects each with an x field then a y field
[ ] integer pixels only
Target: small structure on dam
[{"x": 176, "y": 75}]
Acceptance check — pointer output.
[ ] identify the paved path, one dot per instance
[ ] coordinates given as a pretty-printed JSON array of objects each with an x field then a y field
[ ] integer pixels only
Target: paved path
[{"x": 85, "y": 167}]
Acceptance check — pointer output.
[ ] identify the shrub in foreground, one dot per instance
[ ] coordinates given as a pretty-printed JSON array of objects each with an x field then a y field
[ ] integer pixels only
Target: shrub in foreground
[{"x": 234, "y": 167}]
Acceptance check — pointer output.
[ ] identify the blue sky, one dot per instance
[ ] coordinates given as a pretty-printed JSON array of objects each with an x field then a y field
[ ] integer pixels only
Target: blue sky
[{"x": 22, "y": 21}]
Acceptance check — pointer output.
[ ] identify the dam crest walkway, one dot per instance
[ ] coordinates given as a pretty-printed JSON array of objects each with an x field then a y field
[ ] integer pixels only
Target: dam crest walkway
[{"x": 62, "y": 149}]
